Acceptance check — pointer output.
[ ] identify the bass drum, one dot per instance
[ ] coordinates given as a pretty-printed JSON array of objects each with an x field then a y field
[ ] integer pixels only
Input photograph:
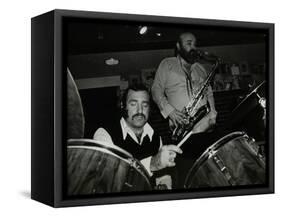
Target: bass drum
[
  {"x": 234, "y": 160},
  {"x": 94, "y": 167}
]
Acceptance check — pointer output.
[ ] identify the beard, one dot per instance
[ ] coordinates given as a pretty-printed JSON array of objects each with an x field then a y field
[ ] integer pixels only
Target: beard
[{"x": 189, "y": 56}]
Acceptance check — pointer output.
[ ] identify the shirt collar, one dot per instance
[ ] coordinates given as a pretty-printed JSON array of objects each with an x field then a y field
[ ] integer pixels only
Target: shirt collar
[{"x": 147, "y": 130}]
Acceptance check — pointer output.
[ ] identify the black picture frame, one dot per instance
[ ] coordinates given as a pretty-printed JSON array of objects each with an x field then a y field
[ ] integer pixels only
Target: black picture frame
[{"x": 48, "y": 101}]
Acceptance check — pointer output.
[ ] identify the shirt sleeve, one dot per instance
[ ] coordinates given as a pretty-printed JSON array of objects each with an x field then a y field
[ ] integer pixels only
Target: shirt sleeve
[
  {"x": 158, "y": 90},
  {"x": 146, "y": 163},
  {"x": 103, "y": 136}
]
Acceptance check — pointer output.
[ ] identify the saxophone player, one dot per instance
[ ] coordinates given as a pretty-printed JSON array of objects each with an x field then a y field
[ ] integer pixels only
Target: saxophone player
[{"x": 177, "y": 80}]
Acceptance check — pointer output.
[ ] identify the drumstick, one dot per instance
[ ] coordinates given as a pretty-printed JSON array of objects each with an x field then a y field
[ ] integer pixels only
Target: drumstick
[{"x": 184, "y": 139}]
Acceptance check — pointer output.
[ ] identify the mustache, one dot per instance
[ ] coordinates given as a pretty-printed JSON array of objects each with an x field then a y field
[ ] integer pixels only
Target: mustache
[{"x": 139, "y": 115}]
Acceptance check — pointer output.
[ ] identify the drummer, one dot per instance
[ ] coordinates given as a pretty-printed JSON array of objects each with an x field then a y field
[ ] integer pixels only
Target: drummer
[{"x": 134, "y": 134}]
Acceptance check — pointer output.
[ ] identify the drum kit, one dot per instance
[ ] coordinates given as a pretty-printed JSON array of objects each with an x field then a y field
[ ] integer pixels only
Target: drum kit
[
  {"x": 94, "y": 167},
  {"x": 236, "y": 159}
]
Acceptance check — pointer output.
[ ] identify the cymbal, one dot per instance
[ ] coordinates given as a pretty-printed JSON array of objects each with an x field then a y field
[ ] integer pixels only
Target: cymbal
[
  {"x": 75, "y": 114},
  {"x": 247, "y": 112},
  {"x": 251, "y": 99}
]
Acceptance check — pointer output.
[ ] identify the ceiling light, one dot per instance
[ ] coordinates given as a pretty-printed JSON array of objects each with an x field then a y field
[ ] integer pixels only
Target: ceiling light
[
  {"x": 111, "y": 61},
  {"x": 143, "y": 30}
]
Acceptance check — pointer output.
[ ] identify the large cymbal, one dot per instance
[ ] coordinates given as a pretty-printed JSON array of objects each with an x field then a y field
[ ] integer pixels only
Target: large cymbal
[
  {"x": 248, "y": 114},
  {"x": 75, "y": 115},
  {"x": 251, "y": 100}
]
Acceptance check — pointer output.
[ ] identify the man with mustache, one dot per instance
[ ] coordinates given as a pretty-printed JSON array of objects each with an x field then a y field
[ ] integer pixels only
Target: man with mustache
[{"x": 135, "y": 135}]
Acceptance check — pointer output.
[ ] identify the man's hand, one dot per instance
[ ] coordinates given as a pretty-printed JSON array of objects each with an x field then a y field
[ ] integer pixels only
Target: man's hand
[
  {"x": 177, "y": 117},
  {"x": 165, "y": 157}
]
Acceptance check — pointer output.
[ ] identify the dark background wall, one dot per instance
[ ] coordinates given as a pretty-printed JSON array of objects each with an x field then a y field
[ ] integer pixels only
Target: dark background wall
[{"x": 93, "y": 65}]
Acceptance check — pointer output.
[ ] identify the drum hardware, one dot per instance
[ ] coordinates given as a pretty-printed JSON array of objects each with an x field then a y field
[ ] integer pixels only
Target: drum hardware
[
  {"x": 251, "y": 140},
  {"x": 134, "y": 163},
  {"x": 257, "y": 148},
  {"x": 261, "y": 153},
  {"x": 211, "y": 152},
  {"x": 262, "y": 103},
  {"x": 221, "y": 166},
  {"x": 128, "y": 185}
]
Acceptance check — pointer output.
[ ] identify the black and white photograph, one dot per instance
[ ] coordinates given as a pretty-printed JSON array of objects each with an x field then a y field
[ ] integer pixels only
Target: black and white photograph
[
  {"x": 155, "y": 107},
  {"x": 140, "y": 108}
]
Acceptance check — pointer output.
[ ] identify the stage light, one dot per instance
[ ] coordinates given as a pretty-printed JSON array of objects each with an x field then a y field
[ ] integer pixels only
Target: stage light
[{"x": 143, "y": 30}]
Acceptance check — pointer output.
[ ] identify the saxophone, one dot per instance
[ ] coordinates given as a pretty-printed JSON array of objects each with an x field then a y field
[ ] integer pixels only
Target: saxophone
[{"x": 192, "y": 114}]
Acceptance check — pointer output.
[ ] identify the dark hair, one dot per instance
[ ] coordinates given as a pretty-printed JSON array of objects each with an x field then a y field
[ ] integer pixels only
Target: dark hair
[{"x": 135, "y": 87}]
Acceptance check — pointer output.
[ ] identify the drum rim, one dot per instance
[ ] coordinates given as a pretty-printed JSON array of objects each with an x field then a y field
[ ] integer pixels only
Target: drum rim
[
  {"x": 98, "y": 149},
  {"x": 95, "y": 143},
  {"x": 206, "y": 154}
]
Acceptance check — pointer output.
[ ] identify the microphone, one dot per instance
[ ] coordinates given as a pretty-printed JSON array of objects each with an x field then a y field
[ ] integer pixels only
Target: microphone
[{"x": 203, "y": 55}]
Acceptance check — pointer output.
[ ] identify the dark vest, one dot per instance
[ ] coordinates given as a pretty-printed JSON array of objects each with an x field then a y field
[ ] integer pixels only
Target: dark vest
[{"x": 146, "y": 149}]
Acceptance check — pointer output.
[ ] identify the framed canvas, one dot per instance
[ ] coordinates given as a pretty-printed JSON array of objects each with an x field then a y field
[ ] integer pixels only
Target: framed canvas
[{"x": 133, "y": 108}]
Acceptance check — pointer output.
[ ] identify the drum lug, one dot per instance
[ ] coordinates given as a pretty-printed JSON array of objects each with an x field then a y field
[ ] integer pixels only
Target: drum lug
[
  {"x": 211, "y": 152},
  {"x": 251, "y": 140},
  {"x": 224, "y": 170},
  {"x": 128, "y": 185},
  {"x": 132, "y": 163}
]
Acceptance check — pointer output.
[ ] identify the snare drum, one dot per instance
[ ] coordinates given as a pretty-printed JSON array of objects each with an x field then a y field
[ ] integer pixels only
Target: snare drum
[
  {"x": 94, "y": 167},
  {"x": 231, "y": 161}
]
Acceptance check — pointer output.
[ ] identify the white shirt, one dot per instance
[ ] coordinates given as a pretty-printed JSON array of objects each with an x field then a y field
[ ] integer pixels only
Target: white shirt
[
  {"x": 102, "y": 135},
  {"x": 147, "y": 130}
]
